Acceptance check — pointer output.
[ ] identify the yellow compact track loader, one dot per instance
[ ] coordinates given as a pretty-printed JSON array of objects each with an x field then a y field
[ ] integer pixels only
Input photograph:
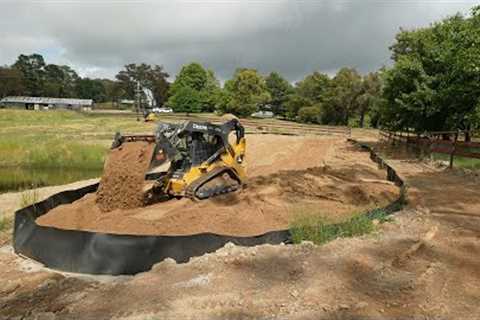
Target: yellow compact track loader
[{"x": 206, "y": 159}]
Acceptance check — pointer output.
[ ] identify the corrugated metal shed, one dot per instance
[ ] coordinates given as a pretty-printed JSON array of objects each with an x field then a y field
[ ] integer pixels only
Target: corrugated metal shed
[{"x": 49, "y": 101}]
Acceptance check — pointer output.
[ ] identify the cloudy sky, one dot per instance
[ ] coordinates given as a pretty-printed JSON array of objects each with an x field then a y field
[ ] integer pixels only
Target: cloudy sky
[{"x": 98, "y": 37}]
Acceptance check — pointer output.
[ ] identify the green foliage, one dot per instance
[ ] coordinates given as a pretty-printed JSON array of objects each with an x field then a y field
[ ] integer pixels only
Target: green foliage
[
  {"x": 91, "y": 89},
  {"x": 186, "y": 99},
  {"x": 244, "y": 94},
  {"x": 314, "y": 87},
  {"x": 435, "y": 82},
  {"x": 335, "y": 101},
  {"x": 32, "y": 68},
  {"x": 294, "y": 104},
  {"x": 56, "y": 147},
  {"x": 310, "y": 114},
  {"x": 319, "y": 231},
  {"x": 279, "y": 90},
  {"x": 341, "y": 101},
  {"x": 11, "y": 82},
  {"x": 152, "y": 80},
  {"x": 194, "y": 90}
]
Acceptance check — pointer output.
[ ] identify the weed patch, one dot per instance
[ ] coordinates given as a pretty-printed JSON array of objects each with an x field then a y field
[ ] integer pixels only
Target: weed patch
[
  {"x": 28, "y": 198},
  {"x": 319, "y": 231},
  {"x": 4, "y": 223}
]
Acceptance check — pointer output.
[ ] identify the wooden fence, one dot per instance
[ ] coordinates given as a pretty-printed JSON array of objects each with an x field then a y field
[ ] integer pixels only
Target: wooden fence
[
  {"x": 452, "y": 143},
  {"x": 274, "y": 126}
]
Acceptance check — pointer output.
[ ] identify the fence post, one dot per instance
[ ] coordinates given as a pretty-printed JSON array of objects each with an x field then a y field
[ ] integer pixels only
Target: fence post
[{"x": 452, "y": 154}]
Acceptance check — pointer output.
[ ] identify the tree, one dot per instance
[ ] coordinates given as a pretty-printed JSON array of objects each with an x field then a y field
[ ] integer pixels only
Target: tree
[
  {"x": 434, "y": 84},
  {"x": 244, "y": 93},
  {"x": 91, "y": 89},
  {"x": 11, "y": 82},
  {"x": 314, "y": 87},
  {"x": 201, "y": 86},
  {"x": 113, "y": 90},
  {"x": 279, "y": 90},
  {"x": 60, "y": 81},
  {"x": 294, "y": 104},
  {"x": 310, "y": 114},
  {"x": 341, "y": 99},
  {"x": 370, "y": 96},
  {"x": 32, "y": 68},
  {"x": 151, "y": 79},
  {"x": 186, "y": 99}
]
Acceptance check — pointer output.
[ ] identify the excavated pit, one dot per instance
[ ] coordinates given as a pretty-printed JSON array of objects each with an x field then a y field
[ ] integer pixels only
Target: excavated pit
[{"x": 288, "y": 176}]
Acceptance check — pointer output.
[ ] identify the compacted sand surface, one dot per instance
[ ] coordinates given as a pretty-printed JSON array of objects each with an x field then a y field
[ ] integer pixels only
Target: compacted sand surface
[{"x": 288, "y": 176}]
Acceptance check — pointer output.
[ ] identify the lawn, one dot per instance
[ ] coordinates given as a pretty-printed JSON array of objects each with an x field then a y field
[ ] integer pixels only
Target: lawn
[{"x": 39, "y": 148}]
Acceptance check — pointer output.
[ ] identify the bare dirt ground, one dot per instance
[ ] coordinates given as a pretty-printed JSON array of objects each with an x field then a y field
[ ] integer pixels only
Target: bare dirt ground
[
  {"x": 422, "y": 265},
  {"x": 287, "y": 176}
]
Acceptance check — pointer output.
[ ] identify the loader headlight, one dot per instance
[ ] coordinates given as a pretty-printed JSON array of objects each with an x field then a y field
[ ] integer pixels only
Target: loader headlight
[{"x": 240, "y": 159}]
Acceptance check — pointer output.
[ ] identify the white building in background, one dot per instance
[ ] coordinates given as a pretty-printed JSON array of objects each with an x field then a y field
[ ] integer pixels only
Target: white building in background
[{"x": 39, "y": 103}]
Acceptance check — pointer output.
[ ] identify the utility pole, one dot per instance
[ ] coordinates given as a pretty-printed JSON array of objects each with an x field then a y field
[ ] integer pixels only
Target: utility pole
[{"x": 138, "y": 102}]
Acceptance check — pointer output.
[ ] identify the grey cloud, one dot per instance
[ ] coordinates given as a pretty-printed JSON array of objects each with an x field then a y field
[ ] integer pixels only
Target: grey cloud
[{"x": 292, "y": 37}]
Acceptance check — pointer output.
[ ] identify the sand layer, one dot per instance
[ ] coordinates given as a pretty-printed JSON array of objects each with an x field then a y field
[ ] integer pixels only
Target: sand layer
[
  {"x": 288, "y": 176},
  {"x": 121, "y": 185}
]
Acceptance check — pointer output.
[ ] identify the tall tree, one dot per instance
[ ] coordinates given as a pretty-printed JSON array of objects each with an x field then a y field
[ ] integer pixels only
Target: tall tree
[
  {"x": 244, "y": 93},
  {"x": 60, "y": 81},
  {"x": 314, "y": 87},
  {"x": 341, "y": 101},
  {"x": 11, "y": 82},
  {"x": 434, "y": 84},
  {"x": 33, "y": 69},
  {"x": 91, "y": 89},
  {"x": 199, "y": 84},
  {"x": 279, "y": 90},
  {"x": 370, "y": 95},
  {"x": 151, "y": 79}
]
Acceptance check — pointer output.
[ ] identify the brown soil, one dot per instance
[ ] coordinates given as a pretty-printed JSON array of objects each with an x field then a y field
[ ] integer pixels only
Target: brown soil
[
  {"x": 121, "y": 185},
  {"x": 288, "y": 176},
  {"x": 422, "y": 265}
]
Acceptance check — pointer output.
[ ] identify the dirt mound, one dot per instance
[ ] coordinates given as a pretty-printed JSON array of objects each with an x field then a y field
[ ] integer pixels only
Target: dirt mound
[
  {"x": 121, "y": 186},
  {"x": 282, "y": 185}
]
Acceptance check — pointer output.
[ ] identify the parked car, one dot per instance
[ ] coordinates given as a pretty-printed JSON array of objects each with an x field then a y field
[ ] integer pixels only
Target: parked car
[
  {"x": 263, "y": 114},
  {"x": 162, "y": 110}
]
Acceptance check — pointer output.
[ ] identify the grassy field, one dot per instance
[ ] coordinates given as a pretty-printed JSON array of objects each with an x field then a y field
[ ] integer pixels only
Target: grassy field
[
  {"x": 459, "y": 162},
  {"x": 54, "y": 147}
]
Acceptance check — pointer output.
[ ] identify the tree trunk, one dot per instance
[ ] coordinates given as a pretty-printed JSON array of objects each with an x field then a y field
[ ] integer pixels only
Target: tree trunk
[{"x": 362, "y": 118}]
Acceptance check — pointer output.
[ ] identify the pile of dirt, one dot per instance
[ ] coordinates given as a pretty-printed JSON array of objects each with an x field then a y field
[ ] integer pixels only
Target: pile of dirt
[
  {"x": 288, "y": 176},
  {"x": 121, "y": 186}
]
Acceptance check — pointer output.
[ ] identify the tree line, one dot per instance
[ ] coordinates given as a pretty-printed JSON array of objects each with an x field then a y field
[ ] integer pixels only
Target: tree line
[{"x": 433, "y": 84}]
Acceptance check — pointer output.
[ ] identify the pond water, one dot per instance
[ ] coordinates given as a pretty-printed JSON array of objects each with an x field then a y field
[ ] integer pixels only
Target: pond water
[{"x": 16, "y": 179}]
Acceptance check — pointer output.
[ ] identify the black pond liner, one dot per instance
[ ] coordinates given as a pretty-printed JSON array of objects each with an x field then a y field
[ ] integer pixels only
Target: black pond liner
[{"x": 103, "y": 253}]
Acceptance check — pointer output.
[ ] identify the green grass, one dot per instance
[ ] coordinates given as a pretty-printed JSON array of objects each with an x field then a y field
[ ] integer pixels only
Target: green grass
[
  {"x": 49, "y": 152},
  {"x": 44, "y": 147},
  {"x": 459, "y": 162},
  {"x": 318, "y": 230},
  {"x": 28, "y": 198}
]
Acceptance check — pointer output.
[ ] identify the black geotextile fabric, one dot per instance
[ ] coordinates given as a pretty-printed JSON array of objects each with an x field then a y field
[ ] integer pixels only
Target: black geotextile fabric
[{"x": 100, "y": 253}]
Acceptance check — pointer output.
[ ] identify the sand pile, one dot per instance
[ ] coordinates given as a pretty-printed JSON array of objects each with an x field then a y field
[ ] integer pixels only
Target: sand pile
[
  {"x": 287, "y": 176},
  {"x": 121, "y": 185}
]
